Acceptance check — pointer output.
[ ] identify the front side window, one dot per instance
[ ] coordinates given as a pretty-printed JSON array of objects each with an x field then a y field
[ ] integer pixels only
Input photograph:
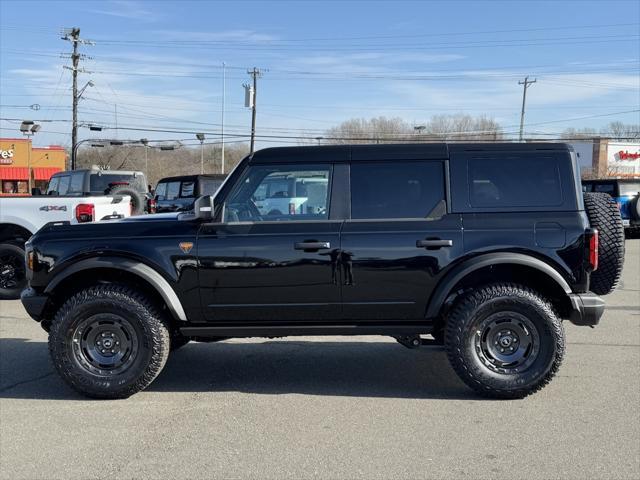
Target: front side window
[
  {"x": 161, "y": 189},
  {"x": 397, "y": 190},
  {"x": 52, "y": 188},
  {"x": 173, "y": 190},
  {"x": 280, "y": 193},
  {"x": 76, "y": 187},
  {"x": 63, "y": 186}
]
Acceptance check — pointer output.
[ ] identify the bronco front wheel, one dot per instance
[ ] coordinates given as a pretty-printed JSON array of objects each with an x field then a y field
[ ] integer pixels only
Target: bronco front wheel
[{"x": 108, "y": 341}]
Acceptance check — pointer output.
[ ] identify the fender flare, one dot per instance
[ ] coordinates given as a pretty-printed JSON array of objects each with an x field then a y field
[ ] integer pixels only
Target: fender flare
[
  {"x": 446, "y": 285},
  {"x": 145, "y": 272}
]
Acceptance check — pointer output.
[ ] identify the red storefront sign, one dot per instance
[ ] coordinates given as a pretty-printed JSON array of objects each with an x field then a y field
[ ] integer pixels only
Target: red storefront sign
[{"x": 628, "y": 156}]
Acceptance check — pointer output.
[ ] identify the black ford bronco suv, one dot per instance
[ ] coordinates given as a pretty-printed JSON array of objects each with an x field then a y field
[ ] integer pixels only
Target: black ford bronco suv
[{"x": 484, "y": 248}]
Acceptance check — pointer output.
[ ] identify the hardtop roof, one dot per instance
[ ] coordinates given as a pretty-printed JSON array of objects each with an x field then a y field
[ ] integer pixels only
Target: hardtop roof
[{"x": 393, "y": 151}]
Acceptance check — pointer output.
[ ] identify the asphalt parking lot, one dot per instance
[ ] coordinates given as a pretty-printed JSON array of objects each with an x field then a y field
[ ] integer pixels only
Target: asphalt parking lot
[{"x": 330, "y": 407}]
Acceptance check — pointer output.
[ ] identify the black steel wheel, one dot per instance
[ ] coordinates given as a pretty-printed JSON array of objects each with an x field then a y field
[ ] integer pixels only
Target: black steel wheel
[
  {"x": 504, "y": 340},
  {"x": 13, "y": 278},
  {"x": 109, "y": 341},
  {"x": 105, "y": 344},
  {"x": 507, "y": 342}
]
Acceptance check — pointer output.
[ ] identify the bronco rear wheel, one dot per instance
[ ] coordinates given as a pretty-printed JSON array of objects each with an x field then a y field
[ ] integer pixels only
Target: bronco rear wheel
[
  {"x": 108, "y": 341},
  {"x": 504, "y": 341}
]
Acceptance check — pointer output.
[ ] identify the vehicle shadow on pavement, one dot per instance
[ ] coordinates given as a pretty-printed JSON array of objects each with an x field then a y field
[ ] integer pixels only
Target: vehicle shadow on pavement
[
  {"x": 356, "y": 369},
  {"x": 359, "y": 369}
]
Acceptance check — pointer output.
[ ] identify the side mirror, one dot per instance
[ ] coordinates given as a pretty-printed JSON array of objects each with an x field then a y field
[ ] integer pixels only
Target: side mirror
[
  {"x": 203, "y": 207},
  {"x": 36, "y": 192}
]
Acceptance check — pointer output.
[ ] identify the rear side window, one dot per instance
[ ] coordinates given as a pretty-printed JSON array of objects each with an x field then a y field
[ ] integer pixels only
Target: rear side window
[
  {"x": 187, "y": 189},
  {"x": 209, "y": 186},
  {"x": 609, "y": 188},
  {"x": 514, "y": 181},
  {"x": 397, "y": 190}
]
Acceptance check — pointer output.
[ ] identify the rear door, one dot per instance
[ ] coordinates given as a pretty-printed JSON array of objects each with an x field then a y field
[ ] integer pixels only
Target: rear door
[{"x": 398, "y": 240}]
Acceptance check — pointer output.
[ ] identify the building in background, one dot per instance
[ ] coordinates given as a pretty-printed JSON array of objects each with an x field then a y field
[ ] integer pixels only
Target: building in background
[
  {"x": 602, "y": 157},
  {"x": 19, "y": 159}
]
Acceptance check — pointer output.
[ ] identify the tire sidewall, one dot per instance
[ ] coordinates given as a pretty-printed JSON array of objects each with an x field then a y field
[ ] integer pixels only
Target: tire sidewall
[
  {"x": 137, "y": 199},
  {"x": 546, "y": 347},
  {"x": 13, "y": 293},
  {"x": 108, "y": 386}
]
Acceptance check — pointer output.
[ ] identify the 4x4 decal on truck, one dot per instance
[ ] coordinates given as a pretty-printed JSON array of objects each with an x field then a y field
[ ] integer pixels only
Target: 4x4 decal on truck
[{"x": 52, "y": 208}]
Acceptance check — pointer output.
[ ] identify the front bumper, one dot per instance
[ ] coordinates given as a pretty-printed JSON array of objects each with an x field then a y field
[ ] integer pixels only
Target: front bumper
[
  {"x": 34, "y": 303},
  {"x": 586, "y": 309}
]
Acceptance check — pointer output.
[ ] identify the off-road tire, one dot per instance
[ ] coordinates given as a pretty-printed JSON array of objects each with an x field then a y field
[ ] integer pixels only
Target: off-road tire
[
  {"x": 463, "y": 331},
  {"x": 14, "y": 255},
  {"x": 149, "y": 326},
  {"x": 604, "y": 215},
  {"x": 138, "y": 202}
]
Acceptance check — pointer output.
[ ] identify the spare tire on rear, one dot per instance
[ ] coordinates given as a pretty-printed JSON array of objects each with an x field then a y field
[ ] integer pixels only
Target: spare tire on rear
[
  {"x": 604, "y": 215},
  {"x": 137, "y": 199}
]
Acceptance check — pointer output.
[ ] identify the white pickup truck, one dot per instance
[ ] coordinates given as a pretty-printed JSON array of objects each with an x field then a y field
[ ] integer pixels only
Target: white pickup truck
[{"x": 21, "y": 217}]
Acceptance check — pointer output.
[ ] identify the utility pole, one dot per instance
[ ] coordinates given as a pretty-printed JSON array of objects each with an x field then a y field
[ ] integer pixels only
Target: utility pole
[
  {"x": 73, "y": 35},
  {"x": 255, "y": 74},
  {"x": 224, "y": 70},
  {"x": 526, "y": 83}
]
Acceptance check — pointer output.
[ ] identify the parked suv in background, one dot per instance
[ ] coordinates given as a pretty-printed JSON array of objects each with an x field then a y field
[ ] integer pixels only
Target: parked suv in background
[
  {"x": 177, "y": 194},
  {"x": 94, "y": 181},
  {"x": 626, "y": 193},
  {"x": 484, "y": 247}
]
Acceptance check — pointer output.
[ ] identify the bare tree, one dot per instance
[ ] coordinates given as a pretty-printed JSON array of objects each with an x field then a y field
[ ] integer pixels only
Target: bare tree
[
  {"x": 622, "y": 130},
  {"x": 374, "y": 130},
  {"x": 438, "y": 128},
  {"x": 573, "y": 133}
]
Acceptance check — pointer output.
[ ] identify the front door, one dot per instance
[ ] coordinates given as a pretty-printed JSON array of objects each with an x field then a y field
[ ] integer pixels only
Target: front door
[
  {"x": 274, "y": 256},
  {"x": 398, "y": 240}
]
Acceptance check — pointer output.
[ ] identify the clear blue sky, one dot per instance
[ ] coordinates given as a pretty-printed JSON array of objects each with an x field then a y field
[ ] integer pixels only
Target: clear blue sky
[{"x": 327, "y": 61}]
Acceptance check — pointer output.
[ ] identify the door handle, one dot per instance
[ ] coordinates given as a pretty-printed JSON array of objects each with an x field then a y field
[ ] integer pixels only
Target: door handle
[
  {"x": 433, "y": 244},
  {"x": 311, "y": 246}
]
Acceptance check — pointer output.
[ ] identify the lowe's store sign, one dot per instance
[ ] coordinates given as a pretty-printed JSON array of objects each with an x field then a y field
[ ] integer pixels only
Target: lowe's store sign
[{"x": 624, "y": 158}]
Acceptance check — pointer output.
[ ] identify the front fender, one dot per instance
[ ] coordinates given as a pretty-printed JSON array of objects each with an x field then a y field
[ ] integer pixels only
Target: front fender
[{"x": 145, "y": 272}]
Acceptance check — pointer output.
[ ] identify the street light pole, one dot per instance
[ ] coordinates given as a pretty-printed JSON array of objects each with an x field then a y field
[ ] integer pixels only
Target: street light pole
[
  {"x": 224, "y": 66},
  {"x": 200, "y": 136},
  {"x": 145, "y": 142},
  {"x": 29, "y": 129}
]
